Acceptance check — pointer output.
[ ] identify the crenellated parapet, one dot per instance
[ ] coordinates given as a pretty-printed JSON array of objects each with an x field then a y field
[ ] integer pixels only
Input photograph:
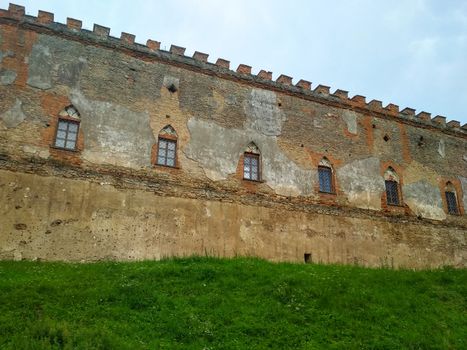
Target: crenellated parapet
[{"x": 221, "y": 67}]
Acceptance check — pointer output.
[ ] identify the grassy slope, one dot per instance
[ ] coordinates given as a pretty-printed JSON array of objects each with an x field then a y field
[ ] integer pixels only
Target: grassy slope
[{"x": 203, "y": 303}]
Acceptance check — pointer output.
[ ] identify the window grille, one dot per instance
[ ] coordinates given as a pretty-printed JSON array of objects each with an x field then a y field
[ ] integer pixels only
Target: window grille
[
  {"x": 166, "y": 152},
  {"x": 251, "y": 166},
  {"x": 392, "y": 192},
  {"x": 325, "y": 179},
  {"x": 452, "y": 203},
  {"x": 67, "y": 134}
]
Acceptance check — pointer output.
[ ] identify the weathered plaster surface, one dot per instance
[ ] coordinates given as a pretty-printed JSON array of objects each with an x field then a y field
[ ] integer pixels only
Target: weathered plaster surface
[
  {"x": 442, "y": 148},
  {"x": 40, "y": 67},
  {"x": 14, "y": 116},
  {"x": 464, "y": 189},
  {"x": 114, "y": 134},
  {"x": 7, "y": 76},
  {"x": 54, "y": 218},
  {"x": 350, "y": 119},
  {"x": 218, "y": 150},
  {"x": 424, "y": 200},
  {"x": 362, "y": 182},
  {"x": 263, "y": 113}
]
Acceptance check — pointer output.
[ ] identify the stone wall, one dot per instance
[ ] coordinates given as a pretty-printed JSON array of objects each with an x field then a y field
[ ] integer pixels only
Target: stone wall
[{"x": 108, "y": 200}]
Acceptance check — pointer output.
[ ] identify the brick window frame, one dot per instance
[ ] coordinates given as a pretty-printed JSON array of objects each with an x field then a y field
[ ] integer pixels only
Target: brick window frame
[
  {"x": 392, "y": 188},
  {"x": 67, "y": 129},
  {"x": 451, "y": 199}
]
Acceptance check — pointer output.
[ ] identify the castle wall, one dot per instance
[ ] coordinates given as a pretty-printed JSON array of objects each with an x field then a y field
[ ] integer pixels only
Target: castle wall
[{"x": 108, "y": 199}]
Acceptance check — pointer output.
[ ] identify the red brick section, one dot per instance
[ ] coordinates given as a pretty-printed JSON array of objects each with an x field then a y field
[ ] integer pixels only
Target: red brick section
[
  {"x": 284, "y": 79},
  {"x": 439, "y": 119},
  {"x": 73, "y": 24},
  {"x": 322, "y": 89},
  {"x": 101, "y": 31},
  {"x": 127, "y": 38},
  {"x": 52, "y": 105},
  {"x": 454, "y": 124},
  {"x": 442, "y": 182},
  {"x": 177, "y": 50},
  {"x": 342, "y": 94},
  {"x": 200, "y": 56},
  {"x": 223, "y": 63},
  {"x": 358, "y": 100},
  {"x": 10, "y": 42},
  {"x": 265, "y": 75},
  {"x": 408, "y": 111},
  {"x": 304, "y": 84},
  {"x": 424, "y": 116},
  {"x": 392, "y": 109},
  {"x": 153, "y": 45},
  {"x": 16, "y": 11},
  {"x": 375, "y": 105},
  {"x": 44, "y": 17},
  {"x": 243, "y": 69},
  {"x": 394, "y": 209}
]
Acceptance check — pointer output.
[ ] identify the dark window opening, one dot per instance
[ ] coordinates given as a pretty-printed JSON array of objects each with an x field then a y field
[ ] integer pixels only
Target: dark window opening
[
  {"x": 166, "y": 152},
  {"x": 67, "y": 134},
  {"x": 392, "y": 192},
  {"x": 307, "y": 258},
  {"x": 251, "y": 166},
  {"x": 325, "y": 179},
  {"x": 386, "y": 138},
  {"x": 452, "y": 203}
]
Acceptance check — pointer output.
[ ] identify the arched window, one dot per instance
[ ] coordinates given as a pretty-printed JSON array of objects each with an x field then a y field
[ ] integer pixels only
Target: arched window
[
  {"x": 451, "y": 199},
  {"x": 167, "y": 147},
  {"x": 251, "y": 163},
  {"x": 325, "y": 176},
  {"x": 391, "y": 180},
  {"x": 66, "y": 136}
]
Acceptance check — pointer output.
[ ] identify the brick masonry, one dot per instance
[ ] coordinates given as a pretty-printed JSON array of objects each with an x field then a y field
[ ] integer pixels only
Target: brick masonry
[{"x": 107, "y": 199}]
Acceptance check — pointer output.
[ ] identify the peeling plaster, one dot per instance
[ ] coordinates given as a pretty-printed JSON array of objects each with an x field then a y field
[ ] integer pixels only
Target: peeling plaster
[
  {"x": 114, "y": 134},
  {"x": 463, "y": 181},
  {"x": 441, "y": 148},
  {"x": 362, "y": 182},
  {"x": 350, "y": 118},
  {"x": 14, "y": 116},
  {"x": 7, "y": 77},
  {"x": 218, "y": 151},
  {"x": 38, "y": 151},
  {"x": 424, "y": 200},
  {"x": 263, "y": 114},
  {"x": 40, "y": 67}
]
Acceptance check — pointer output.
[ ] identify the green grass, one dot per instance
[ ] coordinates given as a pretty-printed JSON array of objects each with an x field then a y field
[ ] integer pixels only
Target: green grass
[{"x": 206, "y": 303}]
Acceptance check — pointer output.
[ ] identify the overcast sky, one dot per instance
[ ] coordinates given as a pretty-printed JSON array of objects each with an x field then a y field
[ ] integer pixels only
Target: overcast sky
[{"x": 409, "y": 52}]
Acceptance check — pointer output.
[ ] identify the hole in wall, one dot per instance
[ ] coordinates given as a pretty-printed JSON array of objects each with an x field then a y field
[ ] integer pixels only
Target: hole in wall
[
  {"x": 167, "y": 116},
  {"x": 172, "y": 88},
  {"x": 386, "y": 138},
  {"x": 307, "y": 258},
  {"x": 301, "y": 145},
  {"x": 279, "y": 104},
  {"x": 373, "y": 126},
  {"x": 421, "y": 142}
]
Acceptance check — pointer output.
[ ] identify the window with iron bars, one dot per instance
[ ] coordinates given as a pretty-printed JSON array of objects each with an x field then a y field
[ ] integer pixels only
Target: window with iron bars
[
  {"x": 452, "y": 203},
  {"x": 251, "y": 166},
  {"x": 392, "y": 192},
  {"x": 67, "y": 134},
  {"x": 325, "y": 179},
  {"x": 166, "y": 152}
]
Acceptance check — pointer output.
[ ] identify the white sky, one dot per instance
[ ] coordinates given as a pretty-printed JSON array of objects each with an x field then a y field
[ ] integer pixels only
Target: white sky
[{"x": 409, "y": 52}]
